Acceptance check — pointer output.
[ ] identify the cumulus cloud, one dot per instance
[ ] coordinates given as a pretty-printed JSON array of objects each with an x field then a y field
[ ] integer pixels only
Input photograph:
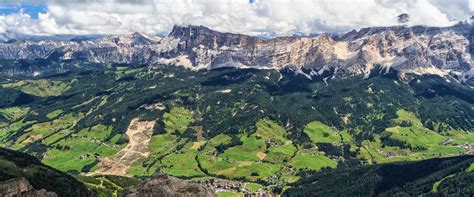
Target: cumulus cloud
[{"x": 258, "y": 17}]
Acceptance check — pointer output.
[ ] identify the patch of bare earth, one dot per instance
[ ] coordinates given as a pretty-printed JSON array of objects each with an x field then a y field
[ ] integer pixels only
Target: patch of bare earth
[
  {"x": 198, "y": 132},
  {"x": 261, "y": 155},
  {"x": 345, "y": 119},
  {"x": 139, "y": 134},
  {"x": 32, "y": 138}
]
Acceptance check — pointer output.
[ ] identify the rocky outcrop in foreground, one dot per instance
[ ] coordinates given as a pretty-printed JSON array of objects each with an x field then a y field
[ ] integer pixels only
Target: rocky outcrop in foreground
[
  {"x": 21, "y": 187},
  {"x": 20, "y": 173},
  {"x": 164, "y": 185}
]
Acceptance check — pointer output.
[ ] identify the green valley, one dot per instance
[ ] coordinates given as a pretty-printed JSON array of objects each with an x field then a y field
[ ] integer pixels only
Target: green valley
[{"x": 264, "y": 129}]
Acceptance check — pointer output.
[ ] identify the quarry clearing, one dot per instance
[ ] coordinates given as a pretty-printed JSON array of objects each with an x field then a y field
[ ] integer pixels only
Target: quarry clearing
[{"x": 139, "y": 134}]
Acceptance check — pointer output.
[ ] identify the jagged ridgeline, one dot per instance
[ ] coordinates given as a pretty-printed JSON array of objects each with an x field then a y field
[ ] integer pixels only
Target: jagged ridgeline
[
  {"x": 262, "y": 127},
  {"x": 443, "y": 51}
]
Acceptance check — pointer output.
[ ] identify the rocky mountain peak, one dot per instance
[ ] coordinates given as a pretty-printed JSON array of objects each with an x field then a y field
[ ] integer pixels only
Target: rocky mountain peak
[
  {"x": 196, "y": 36},
  {"x": 188, "y": 30},
  {"x": 134, "y": 39},
  {"x": 141, "y": 38}
]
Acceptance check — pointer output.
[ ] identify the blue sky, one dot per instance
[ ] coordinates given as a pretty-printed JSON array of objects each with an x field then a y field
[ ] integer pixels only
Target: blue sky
[
  {"x": 31, "y": 9},
  {"x": 253, "y": 17}
]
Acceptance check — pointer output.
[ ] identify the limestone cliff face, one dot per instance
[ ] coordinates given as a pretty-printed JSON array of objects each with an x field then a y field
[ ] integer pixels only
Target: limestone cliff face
[
  {"x": 416, "y": 49},
  {"x": 419, "y": 49}
]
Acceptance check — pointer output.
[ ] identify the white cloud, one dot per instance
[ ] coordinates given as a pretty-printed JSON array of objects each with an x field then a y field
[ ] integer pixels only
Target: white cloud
[
  {"x": 455, "y": 9},
  {"x": 471, "y": 6},
  {"x": 270, "y": 17}
]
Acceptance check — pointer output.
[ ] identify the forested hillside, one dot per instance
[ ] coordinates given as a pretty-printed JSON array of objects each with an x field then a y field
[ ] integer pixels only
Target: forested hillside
[
  {"x": 434, "y": 177},
  {"x": 265, "y": 128}
]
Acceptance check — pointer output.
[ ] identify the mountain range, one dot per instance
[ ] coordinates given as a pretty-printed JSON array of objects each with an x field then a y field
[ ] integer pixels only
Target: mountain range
[{"x": 443, "y": 51}]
